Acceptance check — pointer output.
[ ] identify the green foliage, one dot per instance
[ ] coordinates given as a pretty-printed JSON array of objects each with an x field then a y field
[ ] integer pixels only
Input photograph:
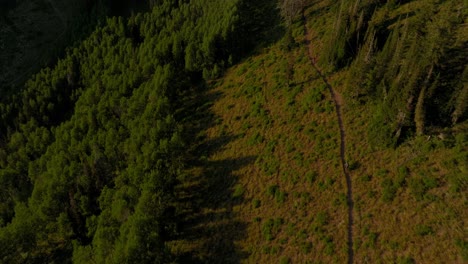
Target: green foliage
[
  {"x": 280, "y": 196},
  {"x": 389, "y": 190},
  {"x": 306, "y": 247},
  {"x": 255, "y": 139},
  {"x": 329, "y": 246},
  {"x": 275, "y": 192},
  {"x": 92, "y": 147},
  {"x": 419, "y": 185},
  {"x": 322, "y": 218},
  {"x": 284, "y": 260},
  {"x": 463, "y": 245},
  {"x": 423, "y": 230},
  {"x": 272, "y": 190},
  {"x": 256, "y": 203},
  {"x": 311, "y": 176},
  {"x": 271, "y": 228},
  {"x": 238, "y": 191},
  {"x": 405, "y": 260}
]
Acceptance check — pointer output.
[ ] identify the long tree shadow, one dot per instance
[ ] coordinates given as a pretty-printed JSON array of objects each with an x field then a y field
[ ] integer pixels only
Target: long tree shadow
[
  {"x": 208, "y": 193},
  {"x": 207, "y": 226}
]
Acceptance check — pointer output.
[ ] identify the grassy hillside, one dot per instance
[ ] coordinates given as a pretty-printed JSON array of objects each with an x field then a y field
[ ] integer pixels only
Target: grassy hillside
[{"x": 272, "y": 180}]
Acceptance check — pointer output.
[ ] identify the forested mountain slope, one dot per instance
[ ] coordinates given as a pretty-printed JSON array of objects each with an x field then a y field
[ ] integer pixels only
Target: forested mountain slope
[
  {"x": 215, "y": 131},
  {"x": 91, "y": 148}
]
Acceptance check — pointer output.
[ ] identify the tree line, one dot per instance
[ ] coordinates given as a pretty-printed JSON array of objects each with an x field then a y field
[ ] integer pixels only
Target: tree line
[{"x": 91, "y": 148}]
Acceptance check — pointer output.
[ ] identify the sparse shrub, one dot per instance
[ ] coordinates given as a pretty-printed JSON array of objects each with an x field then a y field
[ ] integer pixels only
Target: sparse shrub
[
  {"x": 266, "y": 250},
  {"x": 267, "y": 230},
  {"x": 463, "y": 245},
  {"x": 306, "y": 247},
  {"x": 329, "y": 181},
  {"x": 311, "y": 176},
  {"x": 366, "y": 178},
  {"x": 305, "y": 197},
  {"x": 318, "y": 108},
  {"x": 322, "y": 218},
  {"x": 284, "y": 260},
  {"x": 423, "y": 230},
  {"x": 381, "y": 172},
  {"x": 430, "y": 182},
  {"x": 285, "y": 175},
  {"x": 420, "y": 185},
  {"x": 340, "y": 200},
  {"x": 405, "y": 260},
  {"x": 371, "y": 193},
  {"x": 329, "y": 107},
  {"x": 238, "y": 191},
  {"x": 272, "y": 189},
  {"x": 416, "y": 187},
  {"x": 400, "y": 180},
  {"x": 299, "y": 158},
  {"x": 269, "y": 164},
  {"x": 290, "y": 146},
  {"x": 322, "y": 185},
  {"x": 372, "y": 239},
  {"x": 457, "y": 182},
  {"x": 280, "y": 196},
  {"x": 329, "y": 246},
  {"x": 246, "y": 126},
  {"x": 243, "y": 69},
  {"x": 294, "y": 178},
  {"x": 353, "y": 164},
  {"x": 270, "y": 148},
  {"x": 302, "y": 235},
  {"x": 251, "y": 90},
  {"x": 298, "y": 128},
  {"x": 274, "y": 250},
  {"x": 255, "y": 139},
  {"x": 290, "y": 229},
  {"x": 313, "y": 97},
  {"x": 271, "y": 228},
  {"x": 256, "y": 203},
  {"x": 388, "y": 190}
]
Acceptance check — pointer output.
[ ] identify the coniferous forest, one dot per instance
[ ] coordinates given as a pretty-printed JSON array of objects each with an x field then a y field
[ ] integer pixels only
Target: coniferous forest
[{"x": 233, "y": 131}]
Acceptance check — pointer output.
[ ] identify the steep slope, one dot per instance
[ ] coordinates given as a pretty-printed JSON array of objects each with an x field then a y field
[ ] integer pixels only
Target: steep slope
[{"x": 211, "y": 131}]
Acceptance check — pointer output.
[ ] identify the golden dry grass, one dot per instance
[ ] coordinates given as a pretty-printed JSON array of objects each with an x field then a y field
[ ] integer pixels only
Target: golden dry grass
[{"x": 286, "y": 197}]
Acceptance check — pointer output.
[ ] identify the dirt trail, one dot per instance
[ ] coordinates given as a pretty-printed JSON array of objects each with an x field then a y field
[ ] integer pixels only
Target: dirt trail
[{"x": 338, "y": 100}]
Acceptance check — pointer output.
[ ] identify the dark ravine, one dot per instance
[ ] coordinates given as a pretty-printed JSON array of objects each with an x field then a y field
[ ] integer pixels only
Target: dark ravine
[{"x": 344, "y": 163}]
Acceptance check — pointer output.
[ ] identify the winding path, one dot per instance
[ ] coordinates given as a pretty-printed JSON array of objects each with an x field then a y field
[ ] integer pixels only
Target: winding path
[{"x": 338, "y": 103}]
